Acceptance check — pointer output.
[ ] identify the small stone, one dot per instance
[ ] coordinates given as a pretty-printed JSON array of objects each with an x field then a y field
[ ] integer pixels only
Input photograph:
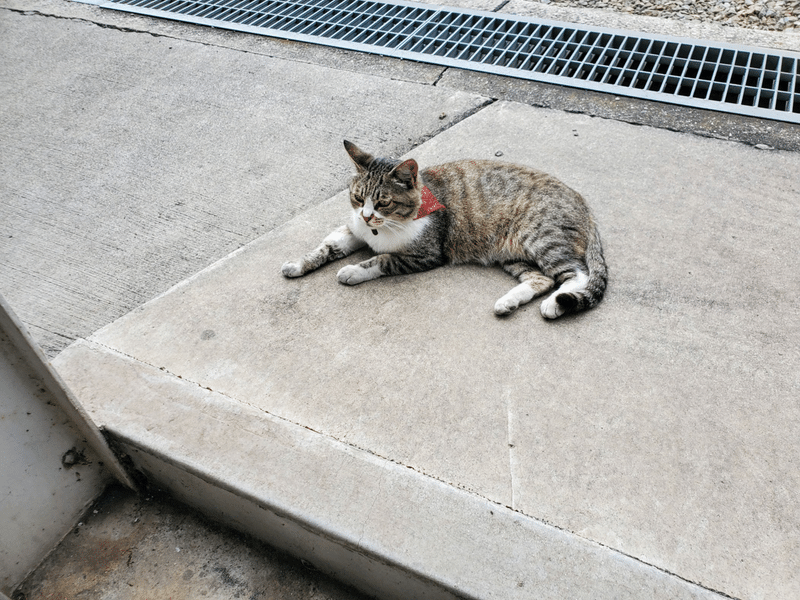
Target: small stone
[
  {"x": 499, "y": 153},
  {"x": 442, "y": 116},
  {"x": 764, "y": 147}
]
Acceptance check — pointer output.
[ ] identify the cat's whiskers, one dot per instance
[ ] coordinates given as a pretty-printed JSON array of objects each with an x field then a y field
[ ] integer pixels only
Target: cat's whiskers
[{"x": 394, "y": 226}]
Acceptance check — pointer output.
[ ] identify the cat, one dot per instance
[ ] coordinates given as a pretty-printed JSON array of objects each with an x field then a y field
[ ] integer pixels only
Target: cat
[{"x": 535, "y": 227}]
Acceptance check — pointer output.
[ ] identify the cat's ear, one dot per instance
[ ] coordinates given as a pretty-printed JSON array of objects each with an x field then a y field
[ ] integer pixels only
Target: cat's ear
[
  {"x": 406, "y": 173},
  {"x": 360, "y": 158}
]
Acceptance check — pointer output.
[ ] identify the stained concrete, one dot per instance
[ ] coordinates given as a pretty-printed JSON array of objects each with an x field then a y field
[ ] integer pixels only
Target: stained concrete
[
  {"x": 48, "y": 472},
  {"x": 130, "y": 547}
]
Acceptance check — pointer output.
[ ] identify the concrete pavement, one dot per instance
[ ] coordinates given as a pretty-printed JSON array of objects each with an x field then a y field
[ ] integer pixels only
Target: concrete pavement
[
  {"x": 138, "y": 150},
  {"x": 646, "y": 448},
  {"x": 658, "y": 425},
  {"x": 170, "y": 153}
]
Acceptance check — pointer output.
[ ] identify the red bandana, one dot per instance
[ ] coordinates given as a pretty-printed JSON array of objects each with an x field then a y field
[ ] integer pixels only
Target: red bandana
[{"x": 429, "y": 204}]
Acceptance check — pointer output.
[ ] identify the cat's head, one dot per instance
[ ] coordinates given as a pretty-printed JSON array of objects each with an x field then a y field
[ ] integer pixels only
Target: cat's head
[{"x": 384, "y": 192}]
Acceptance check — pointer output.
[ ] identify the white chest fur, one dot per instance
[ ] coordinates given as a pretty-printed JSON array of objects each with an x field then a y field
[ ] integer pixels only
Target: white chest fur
[{"x": 389, "y": 239}]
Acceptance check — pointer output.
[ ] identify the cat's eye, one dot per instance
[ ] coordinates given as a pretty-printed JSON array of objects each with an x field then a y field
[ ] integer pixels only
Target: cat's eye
[
  {"x": 382, "y": 203},
  {"x": 358, "y": 199}
]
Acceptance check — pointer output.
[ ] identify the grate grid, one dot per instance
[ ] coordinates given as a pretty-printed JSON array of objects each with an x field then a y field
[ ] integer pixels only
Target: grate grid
[{"x": 723, "y": 77}]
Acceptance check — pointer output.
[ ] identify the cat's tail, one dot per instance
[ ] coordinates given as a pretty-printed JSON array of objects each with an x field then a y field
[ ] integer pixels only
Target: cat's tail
[{"x": 584, "y": 291}]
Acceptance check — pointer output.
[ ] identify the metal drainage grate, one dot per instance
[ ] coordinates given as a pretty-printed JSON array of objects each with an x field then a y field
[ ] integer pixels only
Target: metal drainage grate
[{"x": 724, "y": 77}]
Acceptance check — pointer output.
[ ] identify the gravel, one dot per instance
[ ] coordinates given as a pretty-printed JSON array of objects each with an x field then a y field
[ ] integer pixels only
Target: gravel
[{"x": 772, "y": 15}]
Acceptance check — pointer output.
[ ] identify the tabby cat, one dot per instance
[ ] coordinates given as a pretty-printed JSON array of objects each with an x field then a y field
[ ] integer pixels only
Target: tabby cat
[{"x": 535, "y": 227}]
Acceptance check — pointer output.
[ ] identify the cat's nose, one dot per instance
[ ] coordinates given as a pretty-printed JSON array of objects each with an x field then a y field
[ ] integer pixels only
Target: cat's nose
[{"x": 366, "y": 217}]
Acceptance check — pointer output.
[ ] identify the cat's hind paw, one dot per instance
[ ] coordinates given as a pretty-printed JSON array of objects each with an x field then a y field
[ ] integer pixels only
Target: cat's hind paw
[
  {"x": 550, "y": 308},
  {"x": 505, "y": 306},
  {"x": 522, "y": 294},
  {"x": 291, "y": 269}
]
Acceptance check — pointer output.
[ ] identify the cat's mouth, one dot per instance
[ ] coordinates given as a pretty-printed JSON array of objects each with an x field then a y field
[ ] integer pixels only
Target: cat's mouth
[{"x": 373, "y": 226}]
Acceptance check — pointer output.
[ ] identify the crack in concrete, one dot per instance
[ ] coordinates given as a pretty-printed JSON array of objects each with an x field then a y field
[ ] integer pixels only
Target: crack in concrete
[
  {"x": 369, "y": 511},
  {"x": 511, "y": 444},
  {"x": 463, "y": 116},
  {"x": 123, "y": 29}
]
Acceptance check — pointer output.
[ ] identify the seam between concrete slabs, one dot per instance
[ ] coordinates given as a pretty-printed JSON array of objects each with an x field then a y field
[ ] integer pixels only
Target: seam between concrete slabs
[{"x": 139, "y": 30}]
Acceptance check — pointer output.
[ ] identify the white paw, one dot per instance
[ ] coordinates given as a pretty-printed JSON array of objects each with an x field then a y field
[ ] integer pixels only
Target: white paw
[
  {"x": 352, "y": 275},
  {"x": 550, "y": 308},
  {"x": 522, "y": 294},
  {"x": 291, "y": 269},
  {"x": 506, "y": 305}
]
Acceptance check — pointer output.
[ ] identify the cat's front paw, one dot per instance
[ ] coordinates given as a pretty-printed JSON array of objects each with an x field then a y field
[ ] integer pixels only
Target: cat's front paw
[
  {"x": 352, "y": 275},
  {"x": 291, "y": 269},
  {"x": 550, "y": 308}
]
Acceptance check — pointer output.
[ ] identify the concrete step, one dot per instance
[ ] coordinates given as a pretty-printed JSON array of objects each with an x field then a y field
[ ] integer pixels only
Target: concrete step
[
  {"x": 383, "y": 527},
  {"x": 399, "y": 436}
]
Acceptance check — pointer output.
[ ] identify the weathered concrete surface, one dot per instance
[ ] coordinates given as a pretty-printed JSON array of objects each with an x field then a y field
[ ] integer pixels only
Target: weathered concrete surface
[
  {"x": 137, "y": 151},
  {"x": 131, "y": 547},
  {"x": 375, "y": 523},
  {"x": 131, "y": 160},
  {"x": 660, "y": 424},
  {"x": 41, "y": 494}
]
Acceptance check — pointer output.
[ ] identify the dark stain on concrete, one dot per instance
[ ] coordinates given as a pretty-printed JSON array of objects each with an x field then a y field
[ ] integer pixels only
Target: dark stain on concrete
[{"x": 131, "y": 547}]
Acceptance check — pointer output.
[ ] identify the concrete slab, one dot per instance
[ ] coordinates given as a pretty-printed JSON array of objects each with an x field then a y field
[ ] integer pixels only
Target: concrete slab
[
  {"x": 270, "y": 48},
  {"x": 377, "y": 524},
  {"x": 659, "y": 425},
  {"x": 121, "y": 175},
  {"x": 133, "y": 159}
]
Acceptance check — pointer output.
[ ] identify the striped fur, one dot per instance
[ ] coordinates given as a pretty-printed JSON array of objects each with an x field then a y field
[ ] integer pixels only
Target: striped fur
[{"x": 539, "y": 230}]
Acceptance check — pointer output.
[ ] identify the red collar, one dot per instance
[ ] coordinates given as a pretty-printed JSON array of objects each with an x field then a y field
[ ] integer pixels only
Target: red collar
[{"x": 429, "y": 204}]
